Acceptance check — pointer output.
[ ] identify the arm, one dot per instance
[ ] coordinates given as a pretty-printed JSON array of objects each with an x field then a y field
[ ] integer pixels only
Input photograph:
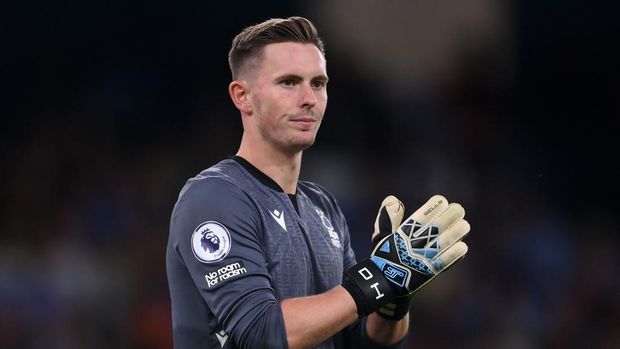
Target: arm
[
  {"x": 231, "y": 292},
  {"x": 313, "y": 319},
  {"x": 386, "y": 332}
]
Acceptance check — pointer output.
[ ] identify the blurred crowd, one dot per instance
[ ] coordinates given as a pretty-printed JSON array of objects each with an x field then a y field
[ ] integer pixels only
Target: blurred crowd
[{"x": 101, "y": 135}]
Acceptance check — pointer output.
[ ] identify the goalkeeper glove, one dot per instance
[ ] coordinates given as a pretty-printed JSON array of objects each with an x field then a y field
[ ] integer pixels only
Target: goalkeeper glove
[{"x": 401, "y": 263}]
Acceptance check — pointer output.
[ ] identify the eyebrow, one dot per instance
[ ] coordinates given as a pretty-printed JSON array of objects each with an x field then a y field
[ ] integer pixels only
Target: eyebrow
[
  {"x": 321, "y": 78},
  {"x": 299, "y": 78}
]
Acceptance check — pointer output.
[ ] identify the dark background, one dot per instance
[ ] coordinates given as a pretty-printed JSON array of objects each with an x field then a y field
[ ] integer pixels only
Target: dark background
[{"x": 108, "y": 107}]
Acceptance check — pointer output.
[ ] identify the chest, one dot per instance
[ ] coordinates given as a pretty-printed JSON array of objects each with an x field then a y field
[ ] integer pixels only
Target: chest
[{"x": 303, "y": 249}]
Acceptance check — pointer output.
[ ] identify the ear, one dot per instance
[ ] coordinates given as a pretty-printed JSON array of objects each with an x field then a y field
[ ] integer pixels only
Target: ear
[{"x": 238, "y": 90}]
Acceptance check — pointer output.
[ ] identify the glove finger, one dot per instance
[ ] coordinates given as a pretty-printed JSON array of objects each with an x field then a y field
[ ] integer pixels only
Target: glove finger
[
  {"x": 428, "y": 236},
  {"x": 455, "y": 233},
  {"x": 424, "y": 215},
  {"x": 451, "y": 255},
  {"x": 388, "y": 219},
  {"x": 454, "y": 213}
]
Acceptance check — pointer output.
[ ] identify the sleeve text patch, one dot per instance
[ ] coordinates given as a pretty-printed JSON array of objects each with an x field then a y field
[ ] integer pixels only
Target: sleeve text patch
[{"x": 224, "y": 273}]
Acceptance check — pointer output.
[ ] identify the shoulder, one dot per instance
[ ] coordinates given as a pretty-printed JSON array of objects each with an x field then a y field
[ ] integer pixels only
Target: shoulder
[
  {"x": 226, "y": 170},
  {"x": 215, "y": 194},
  {"x": 220, "y": 179}
]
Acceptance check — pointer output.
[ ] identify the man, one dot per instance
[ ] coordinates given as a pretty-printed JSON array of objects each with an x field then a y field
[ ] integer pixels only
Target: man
[{"x": 256, "y": 257}]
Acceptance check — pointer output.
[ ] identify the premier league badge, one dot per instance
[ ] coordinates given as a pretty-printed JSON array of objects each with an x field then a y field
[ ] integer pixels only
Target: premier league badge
[{"x": 210, "y": 242}]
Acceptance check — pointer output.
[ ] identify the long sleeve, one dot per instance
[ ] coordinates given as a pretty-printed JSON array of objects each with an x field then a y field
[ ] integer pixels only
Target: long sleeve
[{"x": 215, "y": 244}]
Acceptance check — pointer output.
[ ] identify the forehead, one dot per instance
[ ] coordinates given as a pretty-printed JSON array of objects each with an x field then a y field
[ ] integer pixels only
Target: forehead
[{"x": 292, "y": 58}]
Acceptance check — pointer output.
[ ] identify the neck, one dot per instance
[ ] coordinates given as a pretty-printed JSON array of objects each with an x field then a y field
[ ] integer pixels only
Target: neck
[{"x": 282, "y": 167}]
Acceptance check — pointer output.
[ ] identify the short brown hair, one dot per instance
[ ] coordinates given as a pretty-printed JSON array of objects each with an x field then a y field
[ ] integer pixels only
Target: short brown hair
[{"x": 250, "y": 42}]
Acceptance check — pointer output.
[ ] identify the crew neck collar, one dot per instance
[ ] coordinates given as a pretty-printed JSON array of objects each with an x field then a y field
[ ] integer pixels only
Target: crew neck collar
[{"x": 258, "y": 174}]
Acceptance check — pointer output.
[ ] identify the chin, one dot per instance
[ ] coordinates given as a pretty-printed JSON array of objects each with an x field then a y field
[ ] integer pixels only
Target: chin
[{"x": 301, "y": 144}]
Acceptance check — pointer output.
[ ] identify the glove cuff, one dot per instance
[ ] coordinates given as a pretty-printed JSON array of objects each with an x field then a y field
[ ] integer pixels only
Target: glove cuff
[
  {"x": 395, "y": 310},
  {"x": 368, "y": 287}
]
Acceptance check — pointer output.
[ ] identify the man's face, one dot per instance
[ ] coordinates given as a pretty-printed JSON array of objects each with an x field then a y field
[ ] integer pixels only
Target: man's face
[{"x": 288, "y": 95}]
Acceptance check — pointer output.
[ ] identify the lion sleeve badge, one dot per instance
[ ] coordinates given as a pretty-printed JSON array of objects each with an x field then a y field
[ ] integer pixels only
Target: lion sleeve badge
[{"x": 210, "y": 242}]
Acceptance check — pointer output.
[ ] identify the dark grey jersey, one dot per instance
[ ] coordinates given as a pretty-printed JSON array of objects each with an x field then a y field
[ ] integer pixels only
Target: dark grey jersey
[{"x": 238, "y": 247}]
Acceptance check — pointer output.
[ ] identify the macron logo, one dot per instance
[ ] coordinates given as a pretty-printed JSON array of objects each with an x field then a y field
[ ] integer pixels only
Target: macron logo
[
  {"x": 279, "y": 217},
  {"x": 221, "y": 337}
]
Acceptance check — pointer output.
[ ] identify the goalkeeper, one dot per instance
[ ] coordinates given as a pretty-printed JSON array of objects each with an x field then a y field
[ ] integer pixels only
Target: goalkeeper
[{"x": 257, "y": 258}]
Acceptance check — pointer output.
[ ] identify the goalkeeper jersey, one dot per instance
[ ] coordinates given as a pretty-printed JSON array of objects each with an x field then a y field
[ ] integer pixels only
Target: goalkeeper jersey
[{"x": 238, "y": 246}]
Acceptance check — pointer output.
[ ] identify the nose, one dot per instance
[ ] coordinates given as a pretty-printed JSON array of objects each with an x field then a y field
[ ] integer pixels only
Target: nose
[{"x": 308, "y": 96}]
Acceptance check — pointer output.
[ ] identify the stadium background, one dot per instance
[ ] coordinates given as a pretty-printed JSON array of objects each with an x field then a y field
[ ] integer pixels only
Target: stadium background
[{"x": 504, "y": 106}]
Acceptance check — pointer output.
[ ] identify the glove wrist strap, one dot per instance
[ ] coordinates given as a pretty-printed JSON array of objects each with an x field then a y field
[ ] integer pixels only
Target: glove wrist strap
[
  {"x": 368, "y": 287},
  {"x": 395, "y": 310}
]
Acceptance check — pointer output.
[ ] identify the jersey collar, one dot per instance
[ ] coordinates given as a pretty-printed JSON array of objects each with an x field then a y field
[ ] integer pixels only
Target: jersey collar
[
  {"x": 256, "y": 173},
  {"x": 264, "y": 179}
]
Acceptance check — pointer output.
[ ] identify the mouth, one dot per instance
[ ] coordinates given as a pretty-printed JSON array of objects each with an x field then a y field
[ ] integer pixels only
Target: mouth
[{"x": 304, "y": 122}]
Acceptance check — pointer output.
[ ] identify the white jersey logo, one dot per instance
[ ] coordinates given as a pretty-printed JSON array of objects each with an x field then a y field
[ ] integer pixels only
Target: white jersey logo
[
  {"x": 279, "y": 217},
  {"x": 222, "y": 337},
  {"x": 333, "y": 235}
]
